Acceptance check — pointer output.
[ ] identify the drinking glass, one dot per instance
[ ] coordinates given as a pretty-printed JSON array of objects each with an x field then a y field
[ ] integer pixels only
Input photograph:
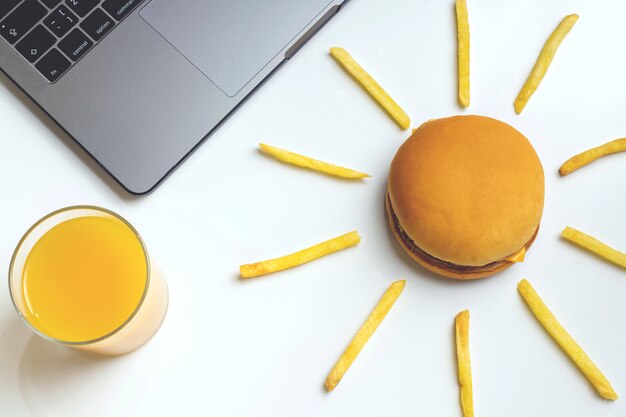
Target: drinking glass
[{"x": 137, "y": 328}]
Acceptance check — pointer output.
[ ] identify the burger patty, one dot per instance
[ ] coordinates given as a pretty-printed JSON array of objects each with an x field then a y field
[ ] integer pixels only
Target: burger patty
[{"x": 462, "y": 269}]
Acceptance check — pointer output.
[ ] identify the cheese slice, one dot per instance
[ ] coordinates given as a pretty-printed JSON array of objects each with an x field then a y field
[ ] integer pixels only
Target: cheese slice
[{"x": 518, "y": 256}]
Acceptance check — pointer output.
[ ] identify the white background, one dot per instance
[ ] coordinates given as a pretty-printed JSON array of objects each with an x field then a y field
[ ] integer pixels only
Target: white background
[{"x": 264, "y": 347}]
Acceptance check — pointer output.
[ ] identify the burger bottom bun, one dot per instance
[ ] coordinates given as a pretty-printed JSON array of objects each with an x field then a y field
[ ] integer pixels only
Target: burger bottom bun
[{"x": 439, "y": 266}]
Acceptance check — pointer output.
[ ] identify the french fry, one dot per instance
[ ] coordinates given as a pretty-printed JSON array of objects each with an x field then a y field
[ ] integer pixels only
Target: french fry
[
  {"x": 594, "y": 245},
  {"x": 363, "y": 335},
  {"x": 301, "y": 257},
  {"x": 463, "y": 37},
  {"x": 464, "y": 363},
  {"x": 587, "y": 157},
  {"x": 565, "y": 341},
  {"x": 310, "y": 163},
  {"x": 543, "y": 61},
  {"x": 371, "y": 86}
]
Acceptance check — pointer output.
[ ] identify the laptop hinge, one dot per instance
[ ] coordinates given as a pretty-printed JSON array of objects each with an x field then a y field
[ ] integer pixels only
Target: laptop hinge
[{"x": 312, "y": 31}]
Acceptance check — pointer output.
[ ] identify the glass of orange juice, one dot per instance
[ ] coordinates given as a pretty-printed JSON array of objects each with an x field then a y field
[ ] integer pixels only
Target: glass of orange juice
[{"x": 82, "y": 277}]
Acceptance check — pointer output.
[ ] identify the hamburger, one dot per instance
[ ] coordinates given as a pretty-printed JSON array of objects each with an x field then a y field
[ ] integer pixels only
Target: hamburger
[{"x": 465, "y": 196}]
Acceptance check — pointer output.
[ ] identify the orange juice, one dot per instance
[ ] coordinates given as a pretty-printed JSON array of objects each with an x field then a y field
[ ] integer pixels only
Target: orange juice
[{"x": 84, "y": 278}]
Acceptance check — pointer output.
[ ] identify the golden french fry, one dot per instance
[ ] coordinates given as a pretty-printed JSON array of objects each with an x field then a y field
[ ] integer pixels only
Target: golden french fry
[
  {"x": 371, "y": 86},
  {"x": 363, "y": 335},
  {"x": 310, "y": 163},
  {"x": 543, "y": 61},
  {"x": 587, "y": 157},
  {"x": 565, "y": 341},
  {"x": 301, "y": 257},
  {"x": 594, "y": 245},
  {"x": 464, "y": 363},
  {"x": 463, "y": 36}
]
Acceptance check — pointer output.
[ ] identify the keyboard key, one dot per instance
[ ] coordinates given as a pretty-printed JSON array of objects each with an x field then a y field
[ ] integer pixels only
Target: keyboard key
[
  {"x": 82, "y": 7},
  {"x": 60, "y": 21},
  {"x": 6, "y": 6},
  {"x": 97, "y": 24},
  {"x": 51, "y": 4},
  {"x": 36, "y": 43},
  {"x": 75, "y": 44},
  {"x": 120, "y": 8},
  {"x": 21, "y": 20},
  {"x": 53, "y": 65}
]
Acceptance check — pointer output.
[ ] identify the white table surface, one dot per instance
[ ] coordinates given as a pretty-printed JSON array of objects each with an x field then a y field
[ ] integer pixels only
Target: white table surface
[{"x": 264, "y": 347}]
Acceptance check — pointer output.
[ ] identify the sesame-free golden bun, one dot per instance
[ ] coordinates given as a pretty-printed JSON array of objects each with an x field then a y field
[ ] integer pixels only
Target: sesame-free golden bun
[{"x": 465, "y": 196}]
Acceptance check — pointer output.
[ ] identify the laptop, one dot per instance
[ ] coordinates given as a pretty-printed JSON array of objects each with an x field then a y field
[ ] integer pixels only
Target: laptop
[{"x": 140, "y": 84}]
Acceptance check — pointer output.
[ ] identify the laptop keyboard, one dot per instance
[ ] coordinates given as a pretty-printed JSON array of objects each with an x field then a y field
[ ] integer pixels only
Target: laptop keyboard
[{"x": 54, "y": 34}]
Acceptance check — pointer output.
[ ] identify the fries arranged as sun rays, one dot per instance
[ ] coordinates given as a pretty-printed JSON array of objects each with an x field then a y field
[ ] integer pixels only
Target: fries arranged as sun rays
[{"x": 462, "y": 320}]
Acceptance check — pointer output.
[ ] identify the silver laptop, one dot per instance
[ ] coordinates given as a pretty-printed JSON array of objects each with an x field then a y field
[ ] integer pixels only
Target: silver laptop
[{"x": 140, "y": 84}]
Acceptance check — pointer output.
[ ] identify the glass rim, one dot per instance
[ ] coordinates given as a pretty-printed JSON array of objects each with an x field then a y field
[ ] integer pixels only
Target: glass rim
[{"x": 38, "y": 224}]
